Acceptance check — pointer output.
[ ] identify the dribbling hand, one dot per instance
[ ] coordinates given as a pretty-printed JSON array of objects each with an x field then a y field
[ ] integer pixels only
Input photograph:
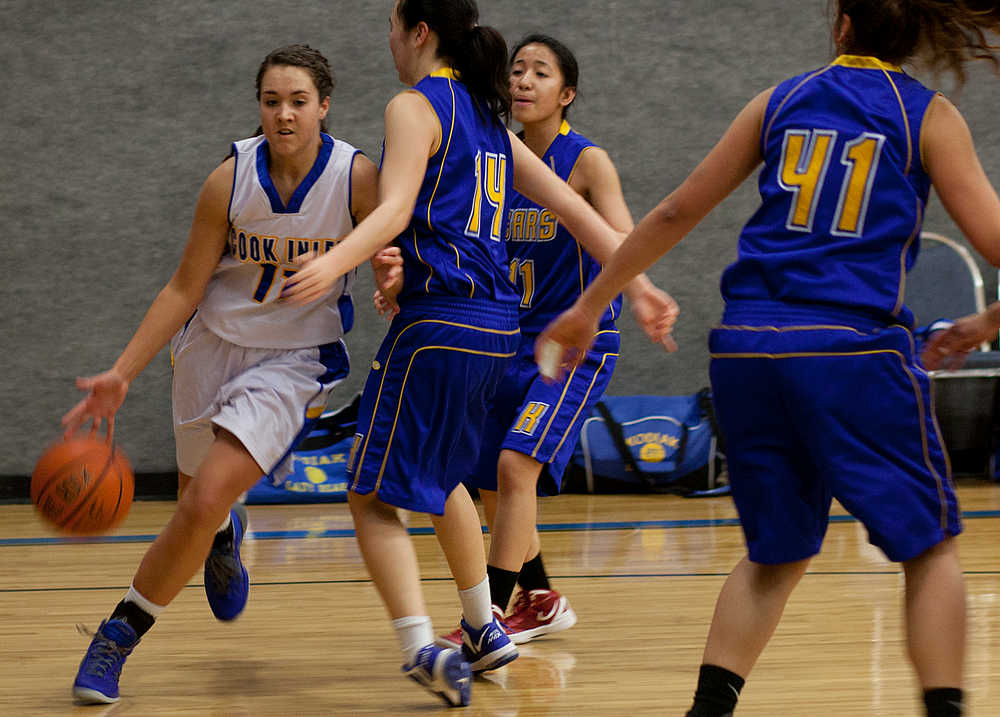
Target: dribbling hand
[{"x": 105, "y": 394}]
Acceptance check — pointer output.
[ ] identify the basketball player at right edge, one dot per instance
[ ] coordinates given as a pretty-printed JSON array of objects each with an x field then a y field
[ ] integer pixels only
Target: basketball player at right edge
[{"x": 815, "y": 377}]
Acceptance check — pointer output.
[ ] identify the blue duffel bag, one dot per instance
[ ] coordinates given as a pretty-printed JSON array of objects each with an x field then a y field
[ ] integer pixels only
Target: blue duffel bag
[{"x": 649, "y": 444}]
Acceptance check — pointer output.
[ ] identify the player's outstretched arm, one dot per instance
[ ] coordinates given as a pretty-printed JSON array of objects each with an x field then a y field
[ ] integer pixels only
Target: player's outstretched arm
[
  {"x": 411, "y": 131},
  {"x": 725, "y": 167},
  {"x": 951, "y": 162}
]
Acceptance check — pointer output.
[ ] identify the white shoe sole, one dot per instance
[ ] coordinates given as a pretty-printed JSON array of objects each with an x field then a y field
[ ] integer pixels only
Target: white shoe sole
[{"x": 87, "y": 696}]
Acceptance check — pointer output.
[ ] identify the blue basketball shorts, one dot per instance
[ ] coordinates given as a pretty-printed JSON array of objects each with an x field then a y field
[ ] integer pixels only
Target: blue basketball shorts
[
  {"x": 426, "y": 399},
  {"x": 829, "y": 408},
  {"x": 543, "y": 420}
]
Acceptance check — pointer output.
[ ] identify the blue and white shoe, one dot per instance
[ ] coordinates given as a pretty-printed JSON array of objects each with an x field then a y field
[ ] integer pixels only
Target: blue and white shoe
[
  {"x": 227, "y": 584},
  {"x": 97, "y": 679},
  {"x": 488, "y": 647},
  {"x": 443, "y": 672}
]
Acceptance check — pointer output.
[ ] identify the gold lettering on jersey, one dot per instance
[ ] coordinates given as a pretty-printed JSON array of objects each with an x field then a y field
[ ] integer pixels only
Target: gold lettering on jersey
[
  {"x": 530, "y": 417},
  {"x": 295, "y": 248},
  {"x": 250, "y": 247},
  {"x": 532, "y": 224}
]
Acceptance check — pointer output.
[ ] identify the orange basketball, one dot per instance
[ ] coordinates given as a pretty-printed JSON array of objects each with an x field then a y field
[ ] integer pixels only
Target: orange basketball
[{"x": 83, "y": 486}]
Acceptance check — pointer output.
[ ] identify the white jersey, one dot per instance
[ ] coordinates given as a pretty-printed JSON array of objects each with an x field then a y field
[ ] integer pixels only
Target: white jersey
[{"x": 241, "y": 303}]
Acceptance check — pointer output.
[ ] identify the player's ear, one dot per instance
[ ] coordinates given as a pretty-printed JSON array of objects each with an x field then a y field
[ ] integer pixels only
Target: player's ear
[
  {"x": 567, "y": 96},
  {"x": 843, "y": 30}
]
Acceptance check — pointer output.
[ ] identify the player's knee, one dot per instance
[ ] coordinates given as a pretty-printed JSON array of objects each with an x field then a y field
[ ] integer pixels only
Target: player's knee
[
  {"x": 202, "y": 503},
  {"x": 517, "y": 472},
  {"x": 784, "y": 576}
]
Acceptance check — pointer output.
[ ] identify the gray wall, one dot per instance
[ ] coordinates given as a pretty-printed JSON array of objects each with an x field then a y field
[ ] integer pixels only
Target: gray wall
[{"x": 115, "y": 111}]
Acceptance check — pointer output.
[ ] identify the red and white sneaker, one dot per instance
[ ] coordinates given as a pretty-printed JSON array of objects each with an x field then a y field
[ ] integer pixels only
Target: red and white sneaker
[
  {"x": 537, "y": 613},
  {"x": 454, "y": 638}
]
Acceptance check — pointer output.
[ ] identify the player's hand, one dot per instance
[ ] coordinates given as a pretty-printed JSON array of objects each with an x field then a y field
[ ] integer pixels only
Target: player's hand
[
  {"x": 656, "y": 313},
  {"x": 388, "y": 267},
  {"x": 385, "y": 308},
  {"x": 564, "y": 342},
  {"x": 948, "y": 348},
  {"x": 105, "y": 394},
  {"x": 314, "y": 279}
]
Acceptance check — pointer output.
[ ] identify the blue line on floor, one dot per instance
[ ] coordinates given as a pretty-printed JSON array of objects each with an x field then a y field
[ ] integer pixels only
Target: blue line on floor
[{"x": 349, "y": 532}]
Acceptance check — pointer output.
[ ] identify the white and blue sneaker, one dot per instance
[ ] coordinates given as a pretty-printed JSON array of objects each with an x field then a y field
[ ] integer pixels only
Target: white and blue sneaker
[
  {"x": 487, "y": 648},
  {"x": 443, "y": 672},
  {"x": 227, "y": 584},
  {"x": 97, "y": 679}
]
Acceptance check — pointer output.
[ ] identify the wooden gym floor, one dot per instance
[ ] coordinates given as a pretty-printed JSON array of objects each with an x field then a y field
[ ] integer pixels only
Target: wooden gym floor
[{"x": 641, "y": 572}]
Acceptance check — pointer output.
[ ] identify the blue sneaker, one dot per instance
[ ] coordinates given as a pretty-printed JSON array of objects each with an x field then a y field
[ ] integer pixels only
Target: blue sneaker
[
  {"x": 442, "y": 671},
  {"x": 488, "y": 647},
  {"x": 227, "y": 584},
  {"x": 97, "y": 679}
]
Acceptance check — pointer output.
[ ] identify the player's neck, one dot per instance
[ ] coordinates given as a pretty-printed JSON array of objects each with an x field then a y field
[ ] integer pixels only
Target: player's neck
[
  {"x": 538, "y": 136},
  {"x": 288, "y": 171},
  {"x": 428, "y": 65}
]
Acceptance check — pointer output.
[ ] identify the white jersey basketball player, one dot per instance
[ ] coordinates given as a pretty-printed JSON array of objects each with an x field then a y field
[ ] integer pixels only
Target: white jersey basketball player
[
  {"x": 246, "y": 351},
  {"x": 250, "y": 368}
]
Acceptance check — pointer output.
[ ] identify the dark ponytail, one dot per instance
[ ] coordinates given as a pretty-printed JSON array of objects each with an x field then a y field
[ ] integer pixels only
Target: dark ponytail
[
  {"x": 478, "y": 53},
  {"x": 940, "y": 34}
]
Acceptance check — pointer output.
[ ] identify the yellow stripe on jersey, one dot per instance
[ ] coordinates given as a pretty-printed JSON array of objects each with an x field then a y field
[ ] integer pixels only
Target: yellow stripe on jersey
[
  {"x": 444, "y": 157},
  {"x": 866, "y": 62}
]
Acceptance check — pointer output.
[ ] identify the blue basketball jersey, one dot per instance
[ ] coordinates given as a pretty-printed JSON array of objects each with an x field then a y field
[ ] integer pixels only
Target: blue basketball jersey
[
  {"x": 547, "y": 265},
  {"x": 843, "y": 191},
  {"x": 453, "y": 245}
]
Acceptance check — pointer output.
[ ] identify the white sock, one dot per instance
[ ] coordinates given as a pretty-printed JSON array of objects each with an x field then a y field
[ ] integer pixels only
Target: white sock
[
  {"x": 476, "y": 606},
  {"x": 133, "y": 596},
  {"x": 413, "y": 632},
  {"x": 225, "y": 524}
]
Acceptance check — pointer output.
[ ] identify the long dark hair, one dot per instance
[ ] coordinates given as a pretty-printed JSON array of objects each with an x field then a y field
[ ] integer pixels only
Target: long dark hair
[
  {"x": 941, "y": 34},
  {"x": 477, "y": 52},
  {"x": 307, "y": 58},
  {"x": 564, "y": 56}
]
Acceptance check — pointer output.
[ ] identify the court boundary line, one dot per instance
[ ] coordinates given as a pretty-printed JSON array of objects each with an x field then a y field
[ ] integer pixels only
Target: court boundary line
[
  {"x": 594, "y": 576},
  {"x": 428, "y": 530}
]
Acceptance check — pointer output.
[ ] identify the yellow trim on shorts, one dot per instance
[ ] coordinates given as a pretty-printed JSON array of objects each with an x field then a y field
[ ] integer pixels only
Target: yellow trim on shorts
[
  {"x": 385, "y": 366},
  {"x": 406, "y": 376},
  {"x": 576, "y": 415},
  {"x": 780, "y": 329},
  {"x": 921, "y": 409}
]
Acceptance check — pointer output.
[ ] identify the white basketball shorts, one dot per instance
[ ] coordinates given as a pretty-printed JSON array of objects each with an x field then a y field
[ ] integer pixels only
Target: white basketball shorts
[{"x": 267, "y": 398}]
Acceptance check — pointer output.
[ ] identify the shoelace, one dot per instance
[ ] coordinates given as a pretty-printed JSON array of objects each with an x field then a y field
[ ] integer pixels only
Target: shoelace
[
  {"x": 523, "y": 602},
  {"x": 103, "y": 652},
  {"x": 222, "y": 568}
]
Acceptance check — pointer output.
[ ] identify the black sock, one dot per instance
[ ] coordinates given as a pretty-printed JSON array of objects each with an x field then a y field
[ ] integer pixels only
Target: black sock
[
  {"x": 943, "y": 702},
  {"x": 137, "y": 618},
  {"x": 718, "y": 690},
  {"x": 533, "y": 576},
  {"x": 501, "y": 585}
]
